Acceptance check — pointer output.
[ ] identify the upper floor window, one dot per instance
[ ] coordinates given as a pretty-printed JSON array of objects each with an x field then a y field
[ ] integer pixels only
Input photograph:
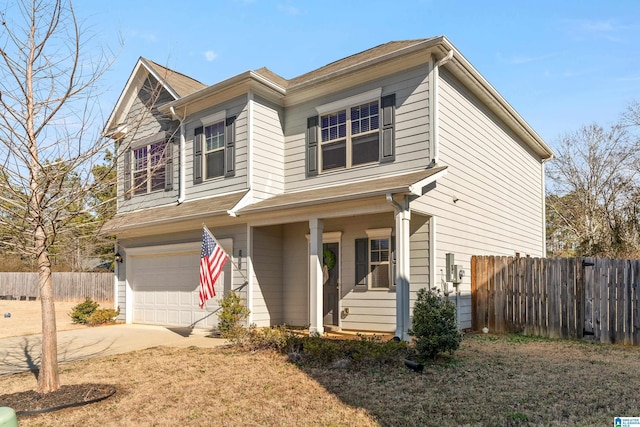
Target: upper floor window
[
  {"x": 355, "y": 131},
  {"x": 214, "y": 148},
  {"x": 148, "y": 166},
  {"x": 350, "y": 137}
]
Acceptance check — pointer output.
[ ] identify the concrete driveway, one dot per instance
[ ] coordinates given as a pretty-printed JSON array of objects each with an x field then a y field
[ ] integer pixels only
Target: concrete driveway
[{"x": 19, "y": 354}]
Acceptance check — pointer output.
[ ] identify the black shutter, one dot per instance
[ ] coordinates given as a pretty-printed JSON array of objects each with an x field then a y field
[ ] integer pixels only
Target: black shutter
[
  {"x": 127, "y": 174},
  {"x": 312, "y": 146},
  {"x": 168, "y": 166},
  {"x": 393, "y": 261},
  {"x": 362, "y": 261},
  {"x": 387, "y": 134},
  {"x": 198, "y": 139},
  {"x": 230, "y": 147}
]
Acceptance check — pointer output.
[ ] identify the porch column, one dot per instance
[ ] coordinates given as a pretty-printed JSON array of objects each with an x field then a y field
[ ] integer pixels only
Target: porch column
[
  {"x": 403, "y": 268},
  {"x": 315, "y": 276}
]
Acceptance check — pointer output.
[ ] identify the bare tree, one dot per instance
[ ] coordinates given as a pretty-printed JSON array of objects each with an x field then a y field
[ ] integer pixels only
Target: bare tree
[
  {"x": 594, "y": 191},
  {"x": 48, "y": 141}
]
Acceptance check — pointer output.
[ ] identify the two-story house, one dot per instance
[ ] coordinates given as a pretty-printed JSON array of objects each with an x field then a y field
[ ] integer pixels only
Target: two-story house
[{"x": 337, "y": 193}]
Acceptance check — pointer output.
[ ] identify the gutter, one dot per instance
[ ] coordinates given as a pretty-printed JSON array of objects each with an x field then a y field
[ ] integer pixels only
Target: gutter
[{"x": 183, "y": 155}]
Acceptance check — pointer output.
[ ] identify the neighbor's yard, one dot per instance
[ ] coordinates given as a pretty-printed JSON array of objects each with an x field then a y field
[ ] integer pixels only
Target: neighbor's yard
[{"x": 492, "y": 381}]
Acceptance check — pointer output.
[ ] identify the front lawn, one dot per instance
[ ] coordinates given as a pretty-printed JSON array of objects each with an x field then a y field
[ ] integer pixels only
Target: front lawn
[{"x": 492, "y": 380}]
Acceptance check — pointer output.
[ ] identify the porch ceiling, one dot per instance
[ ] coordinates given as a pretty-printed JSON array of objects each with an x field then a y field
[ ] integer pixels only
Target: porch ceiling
[
  {"x": 213, "y": 206},
  {"x": 405, "y": 183}
]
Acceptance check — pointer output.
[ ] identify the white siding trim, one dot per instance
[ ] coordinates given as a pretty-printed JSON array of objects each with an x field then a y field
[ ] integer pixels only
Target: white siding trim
[
  {"x": 250, "y": 273},
  {"x": 352, "y": 100},
  {"x": 250, "y": 128},
  {"x": 432, "y": 251}
]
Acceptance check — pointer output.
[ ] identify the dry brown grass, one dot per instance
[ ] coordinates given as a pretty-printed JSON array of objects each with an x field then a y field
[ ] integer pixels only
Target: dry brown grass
[
  {"x": 26, "y": 317},
  {"x": 492, "y": 381}
]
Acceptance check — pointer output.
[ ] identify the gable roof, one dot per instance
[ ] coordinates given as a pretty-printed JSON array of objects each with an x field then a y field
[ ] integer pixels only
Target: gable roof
[{"x": 176, "y": 84}]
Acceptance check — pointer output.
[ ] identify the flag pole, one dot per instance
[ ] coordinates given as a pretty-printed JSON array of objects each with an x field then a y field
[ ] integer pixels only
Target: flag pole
[{"x": 230, "y": 257}]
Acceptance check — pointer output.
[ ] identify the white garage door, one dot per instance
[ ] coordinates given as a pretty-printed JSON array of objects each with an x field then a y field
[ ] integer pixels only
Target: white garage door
[{"x": 165, "y": 290}]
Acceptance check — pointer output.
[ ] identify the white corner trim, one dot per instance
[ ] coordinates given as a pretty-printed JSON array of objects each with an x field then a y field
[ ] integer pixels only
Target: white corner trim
[
  {"x": 352, "y": 100},
  {"x": 213, "y": 118}
]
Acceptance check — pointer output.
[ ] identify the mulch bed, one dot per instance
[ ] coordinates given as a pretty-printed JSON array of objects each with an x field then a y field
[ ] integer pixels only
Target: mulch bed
[{"x": 68, "y": 396}]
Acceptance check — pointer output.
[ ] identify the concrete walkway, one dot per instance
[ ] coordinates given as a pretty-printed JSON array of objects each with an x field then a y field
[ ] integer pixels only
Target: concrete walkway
[{"x": 19, "y": 354}]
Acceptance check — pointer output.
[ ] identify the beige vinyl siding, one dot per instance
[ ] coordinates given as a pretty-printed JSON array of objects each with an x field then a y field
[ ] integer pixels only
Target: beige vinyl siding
[
  {"x": 219, "y": 185},
  {"x": 142, "y": 125},
  {"x": 268, "y": 149},
  {"x": 268, "y": 276},
  {"x": 411, "y": 131},
  {"x": 295, "y": 295},
  {"x": 419, "y": 255},
  {"x": 495, "y": 177},
  {"x": 372, "y": 310}
]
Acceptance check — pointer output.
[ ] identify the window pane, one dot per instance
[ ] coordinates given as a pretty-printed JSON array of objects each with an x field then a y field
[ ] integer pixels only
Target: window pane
[
  {"x": 364, "y": 117},
  {"x": 380, "y": 276},
  {"x": 214, "y": 136},
  {"x": 365, "y": 149},
  {"x": 334, "y": 155},
  {"x": 140, "y": 182},
  {"x": 215, "y": 164},
  {"x": 157, "y": 152},
  {"x": 157, "y": 179},
  {"x": 140, "y": 159},
  {"x": 334, "y": 126}
]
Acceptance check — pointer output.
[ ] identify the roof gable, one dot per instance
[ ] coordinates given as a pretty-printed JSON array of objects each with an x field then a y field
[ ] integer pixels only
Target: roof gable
[{"x": 176, "y": 84}]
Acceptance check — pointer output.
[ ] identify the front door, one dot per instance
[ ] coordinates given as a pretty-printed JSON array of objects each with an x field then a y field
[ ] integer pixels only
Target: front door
[{"x": 330, "y": 276}]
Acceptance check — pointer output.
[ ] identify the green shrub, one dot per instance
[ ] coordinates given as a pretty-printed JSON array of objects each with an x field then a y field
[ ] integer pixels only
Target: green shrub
[
  {"x": 278, "y": 338},
  {"x": 231, "y": 318},
  {"x": 434, "y": 325},
  {"x": 81, "y": 312},
  {"x": 364, "y": 351},
  {"x": 103, "y": 316}
]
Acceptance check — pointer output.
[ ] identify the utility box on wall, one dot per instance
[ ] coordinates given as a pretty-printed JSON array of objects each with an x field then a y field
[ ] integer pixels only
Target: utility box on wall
[{"x": 455, "y": 273}]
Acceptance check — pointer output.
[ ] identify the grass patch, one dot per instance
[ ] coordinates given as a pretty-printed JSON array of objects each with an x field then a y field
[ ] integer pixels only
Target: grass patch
[{"x": 495, "y": 381}]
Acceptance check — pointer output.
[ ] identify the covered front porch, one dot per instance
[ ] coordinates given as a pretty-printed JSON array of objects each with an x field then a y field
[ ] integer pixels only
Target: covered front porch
[{"x": 335, "y": 273}]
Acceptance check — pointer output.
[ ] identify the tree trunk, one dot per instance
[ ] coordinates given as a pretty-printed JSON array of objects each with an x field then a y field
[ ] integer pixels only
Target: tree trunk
[{"x": 48, "y": 379}]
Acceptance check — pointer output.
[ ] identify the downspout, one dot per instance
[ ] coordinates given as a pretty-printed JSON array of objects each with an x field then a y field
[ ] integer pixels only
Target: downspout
[
  {"x": 403, "y": 266},
  {"x": 435, "y": 111},
  {"x": 183, "y": 157}
]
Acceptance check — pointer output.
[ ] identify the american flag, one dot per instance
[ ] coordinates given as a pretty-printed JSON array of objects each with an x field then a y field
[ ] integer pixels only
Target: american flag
[{"x": 212, "y": 259}]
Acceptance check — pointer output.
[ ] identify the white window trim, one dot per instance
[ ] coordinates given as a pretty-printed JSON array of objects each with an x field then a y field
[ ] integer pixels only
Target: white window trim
[
  {"x": 213, "y": 118},
  {"x": 379, "y": 233},
  {"x": 350, "y": 101}
]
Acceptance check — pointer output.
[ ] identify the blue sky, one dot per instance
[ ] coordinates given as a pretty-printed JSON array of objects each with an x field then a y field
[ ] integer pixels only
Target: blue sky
[{"x": 560, "y": 64}]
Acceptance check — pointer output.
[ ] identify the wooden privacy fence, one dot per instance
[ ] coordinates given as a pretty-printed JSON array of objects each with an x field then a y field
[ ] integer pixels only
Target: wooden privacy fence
[
  {"x": 557, "y": 297},
  {"x": 66, "y": 286}
]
